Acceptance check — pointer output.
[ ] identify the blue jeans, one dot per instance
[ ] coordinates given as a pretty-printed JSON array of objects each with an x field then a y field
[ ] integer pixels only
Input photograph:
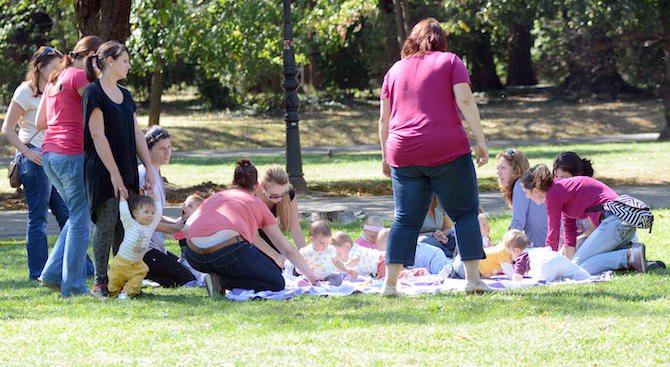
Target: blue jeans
[
  {"x": 601, "y": 251},
  {"x": 455, "y": 184},
  {"x": 240, "y": 265},
  {"x": 66, "y": 265},
  {"x": 40, "y": 196}
]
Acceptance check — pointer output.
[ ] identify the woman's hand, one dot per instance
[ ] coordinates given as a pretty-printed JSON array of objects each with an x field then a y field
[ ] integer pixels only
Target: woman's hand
[
  {"x": 440, "y": 236},
  {"x": 482, "y": 153},
  {"x": 33, "y": 156},
  {"x": 119, "y": 187},
  {"x": 386, "y": 169},
  {"x": 149, "y": 179}
]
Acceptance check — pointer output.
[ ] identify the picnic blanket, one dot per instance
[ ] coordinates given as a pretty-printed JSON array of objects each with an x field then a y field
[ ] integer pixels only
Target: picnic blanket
[{"x": 412, "y": 285}]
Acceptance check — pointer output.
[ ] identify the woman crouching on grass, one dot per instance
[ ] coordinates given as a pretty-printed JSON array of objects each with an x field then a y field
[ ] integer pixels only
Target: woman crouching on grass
[
  {"x": 571, "y": 199},
  {"x": 221, "y": 232}
]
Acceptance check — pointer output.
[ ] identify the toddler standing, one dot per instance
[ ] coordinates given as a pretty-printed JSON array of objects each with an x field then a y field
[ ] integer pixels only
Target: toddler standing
[{"x": 139, "y": 222}]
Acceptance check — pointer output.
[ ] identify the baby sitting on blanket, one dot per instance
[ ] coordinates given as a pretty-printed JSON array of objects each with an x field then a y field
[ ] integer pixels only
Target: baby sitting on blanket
[
  {"x": 322, "y": 257},
  {"x": 365, "y": 261}
]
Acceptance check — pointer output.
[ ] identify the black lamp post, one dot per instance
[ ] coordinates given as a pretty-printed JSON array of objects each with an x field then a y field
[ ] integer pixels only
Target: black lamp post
[{"x": 291, "y": 105}]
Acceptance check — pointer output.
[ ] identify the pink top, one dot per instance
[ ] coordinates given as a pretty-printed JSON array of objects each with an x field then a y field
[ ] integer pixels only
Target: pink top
[
  {"x": 65, "y": 126},
  {"x": 362, "y": 241},
  {"x": 425, "y": 126},
  {"x": 568, "y": 199},
  {"x": 235, "y": 209}
]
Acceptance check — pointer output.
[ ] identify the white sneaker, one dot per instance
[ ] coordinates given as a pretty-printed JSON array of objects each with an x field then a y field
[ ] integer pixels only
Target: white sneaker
[
  {"x": 123, "y": 295},
  {"x": 149, "y": 283}
]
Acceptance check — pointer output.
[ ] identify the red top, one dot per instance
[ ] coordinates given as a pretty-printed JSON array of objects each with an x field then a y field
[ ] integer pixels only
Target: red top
[
  {"x": 425, "y": 127},
  {"x": 568, "y": 199},
  {"x": 65, "y": 126},
  {"x": 234, "y": 209}
]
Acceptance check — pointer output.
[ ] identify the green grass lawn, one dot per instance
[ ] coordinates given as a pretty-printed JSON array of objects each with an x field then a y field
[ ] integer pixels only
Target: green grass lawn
[{"x": 623, "y": 322}]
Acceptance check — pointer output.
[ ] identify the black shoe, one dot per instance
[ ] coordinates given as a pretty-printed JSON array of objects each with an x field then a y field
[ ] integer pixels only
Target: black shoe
[
  {"x": 658, "y": 264},
  {"x": 100, "y": 290}
]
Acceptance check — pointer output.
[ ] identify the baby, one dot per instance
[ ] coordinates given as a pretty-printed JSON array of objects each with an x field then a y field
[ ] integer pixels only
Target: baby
[
  {"x": 322, "y": 257},
  {"x": 485, "y": 228},
  {"x": 371, "y": 229},
  {"x": 139, "y": 222},
  {"x": 540, "y": 263},
  {"x": 363, "y": 260},
  {"x": 425, "y": 256}
]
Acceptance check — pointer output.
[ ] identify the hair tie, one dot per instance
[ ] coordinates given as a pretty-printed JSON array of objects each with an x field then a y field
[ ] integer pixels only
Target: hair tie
[
  {"x": 246, "y": 169},
  {"x": 72, "y": 54}
]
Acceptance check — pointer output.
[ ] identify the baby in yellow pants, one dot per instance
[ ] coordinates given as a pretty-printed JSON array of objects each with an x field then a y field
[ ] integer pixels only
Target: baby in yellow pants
[{"x": 128, "y": 270}]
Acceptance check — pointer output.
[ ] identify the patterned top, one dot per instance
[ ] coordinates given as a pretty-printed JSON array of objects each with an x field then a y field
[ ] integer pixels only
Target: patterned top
[
  {"x": 321, "y": 262},
  {"x": 136, "y": 236}
]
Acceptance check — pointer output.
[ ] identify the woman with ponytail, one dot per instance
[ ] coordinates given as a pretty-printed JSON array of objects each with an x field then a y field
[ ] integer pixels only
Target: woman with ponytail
[
  {"x": 112, "y": 140},
  {"x": 221, "y": 233},
  {"x": 580, "y": 197},
  {"x": 63, "y": 162}
]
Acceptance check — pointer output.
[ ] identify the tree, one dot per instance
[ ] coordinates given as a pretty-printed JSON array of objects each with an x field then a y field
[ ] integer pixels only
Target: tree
[
  {"x": 108, "y": 19},
  {"x": 663, "y": 7},
  {"x": 401, "y": 12}
]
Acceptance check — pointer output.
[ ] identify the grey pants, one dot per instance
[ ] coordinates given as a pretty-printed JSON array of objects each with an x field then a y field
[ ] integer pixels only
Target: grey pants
[{"x": 108, "y": 233}]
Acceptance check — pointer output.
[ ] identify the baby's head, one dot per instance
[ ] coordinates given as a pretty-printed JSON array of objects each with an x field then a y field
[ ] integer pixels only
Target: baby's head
[
  {"x": 515, "y": 241},
  {"x": 371, "y": 228},
  {"x": 319, "y": 235},
  {"x": 382, "y": 239},
  {"x": 142, "y": 208},
  {"x": 342, "y": 243},
  {"x": 484, "y": 226},
  {"x": 190, "y": 205}
]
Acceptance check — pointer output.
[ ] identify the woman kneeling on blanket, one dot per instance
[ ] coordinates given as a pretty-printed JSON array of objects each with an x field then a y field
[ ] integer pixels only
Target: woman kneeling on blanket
[
  {"x": 221, "y": 232},
  {"x": 575, "y": 198}
]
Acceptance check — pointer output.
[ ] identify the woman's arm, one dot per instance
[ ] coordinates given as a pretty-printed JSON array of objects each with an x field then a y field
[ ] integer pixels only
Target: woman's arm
[
  {"x": 14, "y": 113},
  {"x": 296, "y": 231},
  {"x": 41, "y": 116},
  {"x": 520, "y": 204},
  {"x": 468, "y": 106},
  {"x": 289, "y": 251},
  {"x": 143, "y": 153},
  {"x": 384, "y": 116},
  {"x": 96, "y": 125}
]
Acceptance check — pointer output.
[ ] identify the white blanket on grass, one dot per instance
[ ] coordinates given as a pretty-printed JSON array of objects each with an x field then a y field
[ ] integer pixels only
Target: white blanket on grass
[{"x": 296, "y": 286}]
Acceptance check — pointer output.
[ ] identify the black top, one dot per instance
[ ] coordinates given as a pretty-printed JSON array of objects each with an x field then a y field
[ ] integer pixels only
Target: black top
[
  {"x": 291, "y": 195},
  {"x": 120, "y": 133}
]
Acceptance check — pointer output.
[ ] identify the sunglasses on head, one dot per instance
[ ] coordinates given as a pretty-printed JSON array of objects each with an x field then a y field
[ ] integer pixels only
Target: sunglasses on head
[
  {"x": 47, "y": 52},
  {"x": 509, "y": 152},
  {"x": 155, "y": 135}
]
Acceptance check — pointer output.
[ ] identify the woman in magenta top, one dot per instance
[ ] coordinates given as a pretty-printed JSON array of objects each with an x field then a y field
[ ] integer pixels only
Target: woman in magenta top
[
  {"x": 63, "y": 162},
  {"x": 220, "y": 236},
  {"x": 575, "y": 198},
  {"x": 426, "y": 150}
]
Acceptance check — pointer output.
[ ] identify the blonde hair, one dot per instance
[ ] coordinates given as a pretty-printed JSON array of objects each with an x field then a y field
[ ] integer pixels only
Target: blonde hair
[
  {"x": 275, "y": 175},
  {"x": 519, "y": 163},
  {"x": 340, "y": 238},
  {"x": 197, "y": 199},
  {"x": 515, "y": 238}
]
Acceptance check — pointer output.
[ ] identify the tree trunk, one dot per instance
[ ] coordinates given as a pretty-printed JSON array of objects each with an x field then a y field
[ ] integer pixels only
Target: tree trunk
[
  {"x": 401, "y": 29},
  {"x": 108, "y": 19},
  {"x": 388, "y": 24},
  {"x": 483, "y": 74},
  {"x": 664, "y": 16},
  {"x": 519, "y": 66},
  {"x": 156, "y": 93},
  {"x": 311, "y": 75}
]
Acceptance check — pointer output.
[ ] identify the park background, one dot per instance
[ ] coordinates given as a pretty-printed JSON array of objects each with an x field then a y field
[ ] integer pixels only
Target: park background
[{"x": 544, "y": 72}]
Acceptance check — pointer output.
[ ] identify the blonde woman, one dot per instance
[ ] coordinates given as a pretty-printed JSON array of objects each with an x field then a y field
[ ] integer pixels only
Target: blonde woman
[{"x": 277, "y": 193}]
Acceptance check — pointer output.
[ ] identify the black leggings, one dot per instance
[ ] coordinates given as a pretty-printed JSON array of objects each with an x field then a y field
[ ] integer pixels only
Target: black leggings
[{"x": 165, "y": 270}]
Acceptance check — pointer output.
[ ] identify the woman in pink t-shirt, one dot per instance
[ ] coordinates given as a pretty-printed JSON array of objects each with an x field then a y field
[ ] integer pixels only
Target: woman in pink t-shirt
[
  {"x": 425, "y": 149},
  {"x": 580, "y": 197},
  {"x": 63, "y": 162},
  {"x": 221, "y": 233}
]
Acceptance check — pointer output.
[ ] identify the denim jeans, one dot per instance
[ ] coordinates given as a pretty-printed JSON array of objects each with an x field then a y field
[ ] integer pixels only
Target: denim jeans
[
  {"x": 455, "y": 184},
  {"x": 602, "y": 251},
  {"x": 66, "y": 265},
  {"x": 40, "y": 196},
  {"x": 240, "y": 265}
]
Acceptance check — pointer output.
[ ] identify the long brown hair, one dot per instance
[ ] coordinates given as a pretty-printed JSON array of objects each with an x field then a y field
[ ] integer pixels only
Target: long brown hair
[
  {"x": 275, "y": 175},
  {"x": 81, "y": 50},
  {"x": 427, "y": 35},
  {"x": 111, "y": 49},
  {"x": 519, "y": 163},
  {"x": 41, "y": 58}
]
